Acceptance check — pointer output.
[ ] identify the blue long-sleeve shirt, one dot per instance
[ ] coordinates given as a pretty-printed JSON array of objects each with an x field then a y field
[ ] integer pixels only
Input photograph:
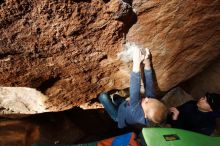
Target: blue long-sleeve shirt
[{"x": 131, "y": 112}]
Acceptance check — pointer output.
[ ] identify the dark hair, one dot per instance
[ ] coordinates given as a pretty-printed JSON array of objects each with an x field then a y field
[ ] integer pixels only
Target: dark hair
[{"x": 214, "y": 101}]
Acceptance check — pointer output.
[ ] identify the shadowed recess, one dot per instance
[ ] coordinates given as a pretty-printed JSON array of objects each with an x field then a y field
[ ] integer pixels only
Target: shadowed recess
[{"x": 48, "y": 83}]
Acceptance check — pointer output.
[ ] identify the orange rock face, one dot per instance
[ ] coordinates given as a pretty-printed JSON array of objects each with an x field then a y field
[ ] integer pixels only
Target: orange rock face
[
  {"x": 182, "y": 35},
  {"x": 68, "y": 49}
]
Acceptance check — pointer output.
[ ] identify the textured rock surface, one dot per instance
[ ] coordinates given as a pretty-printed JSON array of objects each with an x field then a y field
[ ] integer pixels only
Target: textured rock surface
[
  {"x": 68, "y": 49},
  {"x": 207, "y": 81},
  {"x": 21, "y": 100},
  {"x": 184, "y": 36}
]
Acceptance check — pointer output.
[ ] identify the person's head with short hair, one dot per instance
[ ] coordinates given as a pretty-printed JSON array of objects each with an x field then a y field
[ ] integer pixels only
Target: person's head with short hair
[
  {"x": 154, "y": 110},
  {"x": 210, "y": 102}
]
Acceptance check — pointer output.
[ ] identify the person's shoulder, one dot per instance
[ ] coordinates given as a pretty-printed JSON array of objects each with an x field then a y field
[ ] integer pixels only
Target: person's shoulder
[
  {"x": 189, "y": 104},
  {"x": 193, "y": 102}
]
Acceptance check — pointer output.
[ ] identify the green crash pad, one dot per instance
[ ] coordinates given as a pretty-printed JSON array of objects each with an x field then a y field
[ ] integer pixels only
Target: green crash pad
[
  {"x": 164, "y": 137},
  {"x": 177, "y": 137}
]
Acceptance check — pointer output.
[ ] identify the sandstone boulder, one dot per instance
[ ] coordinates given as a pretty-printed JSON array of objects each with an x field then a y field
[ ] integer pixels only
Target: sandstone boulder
[{"x": 70, "y": 50}]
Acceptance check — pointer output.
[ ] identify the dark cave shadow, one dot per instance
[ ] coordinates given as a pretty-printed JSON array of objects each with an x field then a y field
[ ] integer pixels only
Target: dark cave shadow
[
  {"x": 67, "y": 127},
  {"x": 130, "y": 19}
]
